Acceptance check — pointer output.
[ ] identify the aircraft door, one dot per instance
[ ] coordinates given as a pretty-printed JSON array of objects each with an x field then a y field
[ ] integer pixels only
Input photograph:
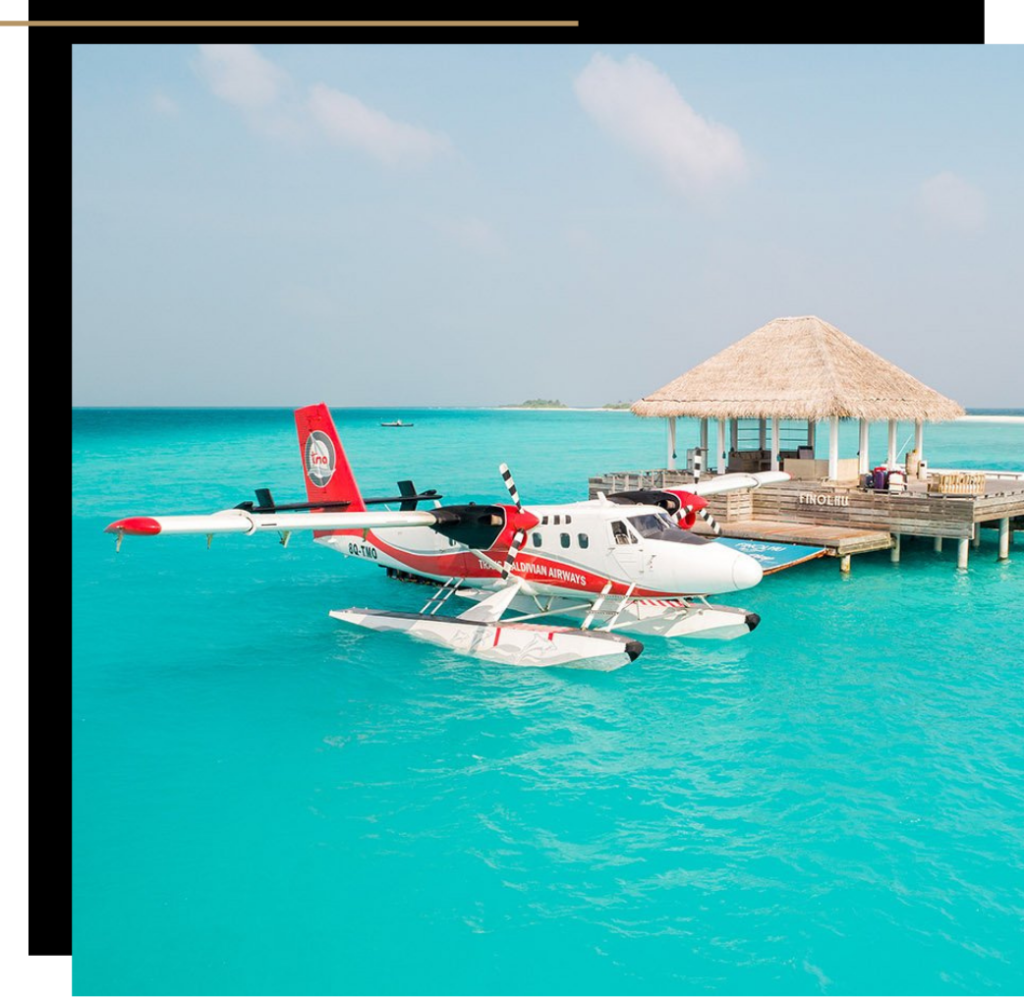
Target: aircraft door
[{"x": 626, "y": 548}]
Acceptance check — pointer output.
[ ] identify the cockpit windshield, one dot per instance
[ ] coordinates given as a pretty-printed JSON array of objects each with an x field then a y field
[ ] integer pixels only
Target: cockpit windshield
[
  {"x": 651, "y": 524},
  {"x": 659, "y": 526}
]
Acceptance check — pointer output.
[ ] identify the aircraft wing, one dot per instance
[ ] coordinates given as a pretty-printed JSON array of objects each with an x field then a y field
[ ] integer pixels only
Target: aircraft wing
[
  {"x": 734, "y": 482},
  {"x": 242, "y": 521}
]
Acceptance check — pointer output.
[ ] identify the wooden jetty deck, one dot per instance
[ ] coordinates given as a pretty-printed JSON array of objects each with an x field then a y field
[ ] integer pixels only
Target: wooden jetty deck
[
  {"x": 845, "y": 518},
  {"x": 837, "y": 540}
]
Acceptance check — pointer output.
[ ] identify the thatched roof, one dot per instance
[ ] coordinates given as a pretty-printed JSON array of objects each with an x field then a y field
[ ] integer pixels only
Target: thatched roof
[{"x": 798, "y": 368}]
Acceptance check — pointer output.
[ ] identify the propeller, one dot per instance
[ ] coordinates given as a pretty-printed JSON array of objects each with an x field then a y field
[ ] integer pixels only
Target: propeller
[
  {"x": 513, "y": 550},
  {"x": 506, "y": 476},
  {"x": 710, "y": 520},
  {"x": 698, "y": 467},
  {"x": 519, "y": 538}
]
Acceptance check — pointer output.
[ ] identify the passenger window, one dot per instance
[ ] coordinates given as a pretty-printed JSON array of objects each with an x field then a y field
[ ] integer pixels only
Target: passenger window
[
  {"x": 543, "y": 520},
  {"x": 558, "y": 520},
  {"x": 536, "y": 540},
  {"x": 583, "y": 539},
  {"x": 568, "y": 520},
  {"x": 564, "y": 539}
]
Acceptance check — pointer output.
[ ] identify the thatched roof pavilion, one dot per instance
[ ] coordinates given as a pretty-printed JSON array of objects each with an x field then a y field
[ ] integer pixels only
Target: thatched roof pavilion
[{"x": 799, "y": 368}]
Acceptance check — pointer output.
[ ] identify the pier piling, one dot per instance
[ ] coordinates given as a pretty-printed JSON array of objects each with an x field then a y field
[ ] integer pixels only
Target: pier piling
[
  {"x": 1004, "y": 538},
  {"x": 963, "y": 545}
]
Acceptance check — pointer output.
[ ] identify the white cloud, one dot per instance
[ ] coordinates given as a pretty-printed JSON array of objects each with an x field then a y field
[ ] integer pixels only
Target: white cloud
[
  {"x": 347, "y": 120},
  {"x": 241, "y": 76},
  {"x": 163, "y": 104},
  {"x": 272, "y": 104},
  {"x": 639, "y": 105},
  {"x": 950, "y": 202},
  {"x": 471, "y": 233}
]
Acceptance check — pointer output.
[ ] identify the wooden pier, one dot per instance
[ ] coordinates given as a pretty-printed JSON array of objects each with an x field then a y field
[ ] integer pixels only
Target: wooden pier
[{"x": 845, "y": 518}]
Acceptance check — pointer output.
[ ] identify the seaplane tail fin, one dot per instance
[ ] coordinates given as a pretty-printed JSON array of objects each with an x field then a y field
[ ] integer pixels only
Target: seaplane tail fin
[{"x": 325, "y": 467}]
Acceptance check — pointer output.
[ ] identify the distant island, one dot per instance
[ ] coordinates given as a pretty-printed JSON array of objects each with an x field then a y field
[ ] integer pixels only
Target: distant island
[
  {"x": 554, "y": 403},
  {"x": 538, "y": 403}
]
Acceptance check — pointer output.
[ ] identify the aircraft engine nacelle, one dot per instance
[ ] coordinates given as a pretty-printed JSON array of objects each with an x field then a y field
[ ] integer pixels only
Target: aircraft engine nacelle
[
  {"x": 682, "y": 506},
  {"x": 482, "y": 526},
  {"x": 689, "y": 506}
]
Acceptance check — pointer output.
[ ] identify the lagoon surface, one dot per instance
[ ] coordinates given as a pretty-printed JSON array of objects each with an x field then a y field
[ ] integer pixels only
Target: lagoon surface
[{"x": 266, "y": 803}]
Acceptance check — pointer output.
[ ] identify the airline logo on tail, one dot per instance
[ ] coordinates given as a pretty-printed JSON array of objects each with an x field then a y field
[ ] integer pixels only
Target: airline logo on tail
[{"x": 320, "y": 458}]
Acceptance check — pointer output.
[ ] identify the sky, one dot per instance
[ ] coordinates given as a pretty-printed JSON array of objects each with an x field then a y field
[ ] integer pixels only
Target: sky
[{"x": 479, "y": 225}]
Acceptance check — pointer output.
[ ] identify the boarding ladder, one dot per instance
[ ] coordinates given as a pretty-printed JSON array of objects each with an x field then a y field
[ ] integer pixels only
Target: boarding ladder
[
  {"x": 595, "y": 610},
  {"x": 441, "y": 596},
  {"x": 618, "y": 612}
]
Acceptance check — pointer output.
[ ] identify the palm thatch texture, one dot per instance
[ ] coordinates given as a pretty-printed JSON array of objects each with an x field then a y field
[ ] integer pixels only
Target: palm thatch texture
[{"x": 798, "y": 368}]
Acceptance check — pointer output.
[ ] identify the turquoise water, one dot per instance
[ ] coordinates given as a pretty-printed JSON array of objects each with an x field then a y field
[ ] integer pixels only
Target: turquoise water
[{"x": 266, "y": 803}]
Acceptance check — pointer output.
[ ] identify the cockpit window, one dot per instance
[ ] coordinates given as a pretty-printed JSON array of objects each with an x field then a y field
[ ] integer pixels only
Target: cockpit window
[
  {"x": 651, "y": 524},
  {"x": 661, "y": 527},
  {"x": 621, "y": 534}
]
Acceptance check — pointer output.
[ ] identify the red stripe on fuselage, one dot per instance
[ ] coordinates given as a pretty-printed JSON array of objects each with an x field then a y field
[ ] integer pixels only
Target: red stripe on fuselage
[{"x": 530, "y": 567}]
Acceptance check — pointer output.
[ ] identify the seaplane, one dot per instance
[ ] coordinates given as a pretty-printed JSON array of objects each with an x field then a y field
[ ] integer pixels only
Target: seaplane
[{"x": 622, "y": 564}]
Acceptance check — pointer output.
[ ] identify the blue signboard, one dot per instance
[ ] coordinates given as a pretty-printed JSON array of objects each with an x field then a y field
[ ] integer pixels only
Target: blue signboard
[{"x": 773, "y": 556}]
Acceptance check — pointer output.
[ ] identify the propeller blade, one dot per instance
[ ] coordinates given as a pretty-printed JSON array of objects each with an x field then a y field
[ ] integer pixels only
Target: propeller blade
[
  {"x": 683, "y": 515},
  {"x": 513, "y": 550},
  {"x": 506, "y": 474},
  {"x": 710, "y": 520}
]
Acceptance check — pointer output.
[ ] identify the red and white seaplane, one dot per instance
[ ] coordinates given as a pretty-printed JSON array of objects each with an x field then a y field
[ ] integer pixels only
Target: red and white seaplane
[{"x": 625, "y": 562}]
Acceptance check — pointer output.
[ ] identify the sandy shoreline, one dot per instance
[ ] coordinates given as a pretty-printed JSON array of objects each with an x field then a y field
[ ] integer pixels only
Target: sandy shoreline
[
  {"x": 564, "y": 408},
  {"x": 568, "y": 408},
  {"x": 991, "y": 418}
]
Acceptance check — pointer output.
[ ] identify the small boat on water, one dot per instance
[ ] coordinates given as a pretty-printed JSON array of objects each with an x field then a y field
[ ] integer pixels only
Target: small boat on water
[{"x": 398, "y": 424}]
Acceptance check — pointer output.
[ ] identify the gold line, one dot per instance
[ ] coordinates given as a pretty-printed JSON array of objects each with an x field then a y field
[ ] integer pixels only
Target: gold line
[{"x": 289, "y": 24}]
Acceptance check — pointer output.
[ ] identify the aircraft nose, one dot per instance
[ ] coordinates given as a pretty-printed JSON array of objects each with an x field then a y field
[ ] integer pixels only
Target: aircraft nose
[{"x": 746, "y": 572}]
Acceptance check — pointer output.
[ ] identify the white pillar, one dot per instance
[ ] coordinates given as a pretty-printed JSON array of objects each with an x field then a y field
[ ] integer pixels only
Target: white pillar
[
  {"x": 671, "y": 465},
  {"x": 762, "y": 433},
  {"x": 864, "y": 464},
  {"x": 976, "y": 542},
  {"x": 892, "y": 444},
  {"x": 775, "y": 444},
  {"x": 938, "y": 545},
  {"x": 704, "y": 437},
  {"x": 720, "y": 462},
  {"x": 919, "y": 438},
  {"x": 844, "y": 564},
  {"x": 963, "y": 546},
  {"x": 833, "y": 449},
  {"x": 894, "y": 554},
  {"x": 1004, "y": 538}
]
